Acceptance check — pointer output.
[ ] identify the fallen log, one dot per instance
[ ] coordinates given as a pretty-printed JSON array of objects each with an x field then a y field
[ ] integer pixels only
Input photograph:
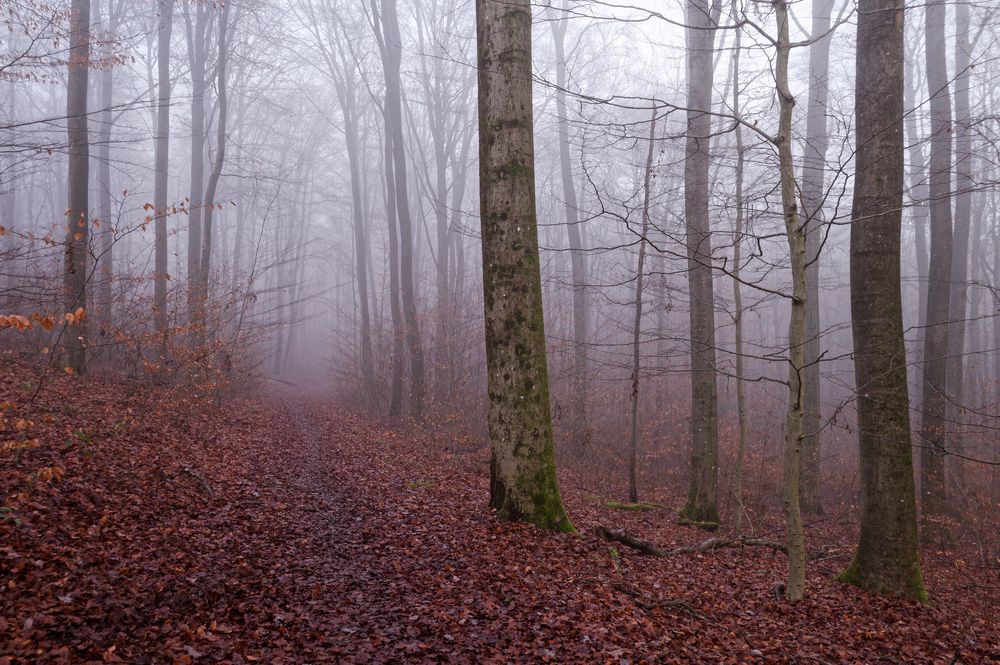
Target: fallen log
[{"x": 625, "y": 538}]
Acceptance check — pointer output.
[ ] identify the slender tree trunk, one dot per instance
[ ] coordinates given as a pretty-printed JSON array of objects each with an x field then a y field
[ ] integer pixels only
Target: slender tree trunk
[
  {"x": 393, "y": 104},
  {"x": 161, "y": 170},
  {"x": 107, "y": 228},
  {"x": 701, "y": 506},
  {"x": 205, "y": 263},
  {"x": 8, "y": 200},
  {"x": 963, "y": 220},
  {"x": 887, "y": 559},
  {"x": 398, "y": 327},
  {"x": 354, "y": 158},
  {"x": 460, "y": 173},
  {"x": 640, "y": 276},
  {"x": 579, "y": 431},
  {"x": 197, "y": 54},
  {"x": 917, "y": 186},
  {"x": 523, "y": 481},
  {"x": 813, "y": 197},
  {"x": 797, "y": 252},
  {"x": 933, "y": 489},
  {"x": 78, "y": 182},
  {"x": 738, "y": 232}
]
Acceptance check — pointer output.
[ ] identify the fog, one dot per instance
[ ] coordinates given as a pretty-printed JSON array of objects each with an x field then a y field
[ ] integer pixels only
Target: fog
[{"x": 318, "y": 276}]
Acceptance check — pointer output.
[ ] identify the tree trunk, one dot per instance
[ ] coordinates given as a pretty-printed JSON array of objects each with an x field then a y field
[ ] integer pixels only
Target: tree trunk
[
  {"x": 579, "y": 431},
  {"x": 933, "y": 490},
  {"x": 523, "y": 481},
  {"x": 354, "y": 158},
  {"x": 963, "y": 220},
  {"x": 106, "y": 263},
  {"x": 393, "y": 105},
  {"x": 161, "y": 170},
  {"x": 813, "y": 197},
  {"x": 640, "y": 276},
  {"x": 701, "y": 506},
  {"x": 797, "y": 253},
  {"x": 197, "y": 54},
  {"x": 398, "y": 327},
  {"x": 78, "y": 183},
  {"x": 917, "y": 186},
  {"x": 205, "y": 263},
  {"x": 887, "y": 559},
  {"x": 738, "y": 232}
]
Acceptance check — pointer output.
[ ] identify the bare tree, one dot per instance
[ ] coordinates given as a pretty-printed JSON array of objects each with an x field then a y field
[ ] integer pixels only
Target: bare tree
[
  {"x": 738, "y": 312},
  {"x": 813, "y": 196},
  {"x": 933, "y": 490},
  {"x": 222, "y": 83},
  {"x": 797, "y": 255},
  {"x": 107, "y": 229},
  {"x": 523, "y": 481},
  {"x": 161, "y": 168},
  {"x": 701, "y": 506},
  {"x": 887, "y": 559},
  {"x": 392, "y": 54},
  {"x": 78, "y": 184},
  {"x": 578, "y": 264},
  {"x": 640, "y": 276}
]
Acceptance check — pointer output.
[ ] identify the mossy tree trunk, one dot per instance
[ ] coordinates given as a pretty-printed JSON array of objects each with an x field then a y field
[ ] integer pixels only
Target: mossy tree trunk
[
  {"x": 522, "y": 469},
  {"x": 887, "y": 559},
  {"x": 702, "y": 505}
]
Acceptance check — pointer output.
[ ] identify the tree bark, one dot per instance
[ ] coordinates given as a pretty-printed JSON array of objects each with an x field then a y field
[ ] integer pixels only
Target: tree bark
[
  {"x": 738, "y": 232},
  {"x": 887, "y": 559},
  {"x": 107, "y": 229},
  {"x": 78, "y": 184},
  {"x": 393, "y": 104},
  {"x": 640, "y": 276},
  {"x": 205, "y": 263},
  {"x": 701, "y": 506},
  {"x": 933, "y": 490},
  {"x": 197, "y": 55},
  {"x": 797, "y": 253},
  {"x": 523, "y": 481},
  {"x": 579, "y": 431},
  {"x": 958, "y": 303},
  {"x": 917, "y": 186},
  {"x": 813, "y": 197},
  {"x": 398, "y": 327},
  {"x": 161, "y": 170}
]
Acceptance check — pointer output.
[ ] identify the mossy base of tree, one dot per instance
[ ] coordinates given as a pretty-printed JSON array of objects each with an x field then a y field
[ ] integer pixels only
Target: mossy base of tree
[
  {"x": 692, "y": 515},
  {"x": 544, "y": 510},
  {"x": 912, "y": 588}
]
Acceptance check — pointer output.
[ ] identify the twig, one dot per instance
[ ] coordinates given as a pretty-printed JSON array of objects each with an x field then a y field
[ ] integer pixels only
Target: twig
[{"x": 200, "y": 478}]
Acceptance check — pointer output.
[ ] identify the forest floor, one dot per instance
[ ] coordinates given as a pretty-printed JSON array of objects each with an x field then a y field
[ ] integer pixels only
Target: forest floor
[{"x": 141, "y": 527}]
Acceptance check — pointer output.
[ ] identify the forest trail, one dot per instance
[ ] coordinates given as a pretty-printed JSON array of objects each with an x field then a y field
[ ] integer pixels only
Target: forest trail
[{"x": 282, "y": 529}]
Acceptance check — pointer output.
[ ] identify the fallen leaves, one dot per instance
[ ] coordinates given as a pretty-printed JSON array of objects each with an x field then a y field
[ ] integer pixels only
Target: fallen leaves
[{"x": 286, "y": 531}]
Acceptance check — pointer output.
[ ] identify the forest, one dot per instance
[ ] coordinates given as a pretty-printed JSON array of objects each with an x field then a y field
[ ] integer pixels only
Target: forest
[{"x": 499, "y": 331}]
